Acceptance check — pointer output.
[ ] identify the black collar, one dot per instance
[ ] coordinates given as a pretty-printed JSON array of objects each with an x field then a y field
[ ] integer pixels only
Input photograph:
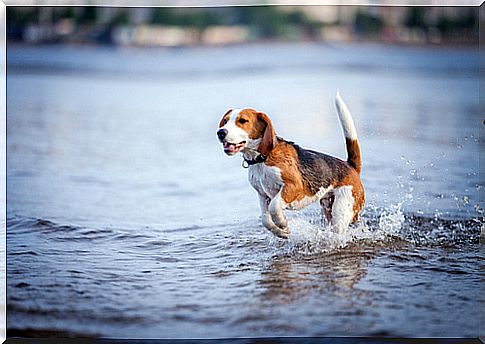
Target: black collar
[{"x": 259, "y": 159}]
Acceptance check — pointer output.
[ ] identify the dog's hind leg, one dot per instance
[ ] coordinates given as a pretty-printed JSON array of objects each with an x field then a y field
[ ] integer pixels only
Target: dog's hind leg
[
  {"x": 327, "y": 204},
  {"x": 266, "y": 218},
  {"x": 342, "y": 209}
]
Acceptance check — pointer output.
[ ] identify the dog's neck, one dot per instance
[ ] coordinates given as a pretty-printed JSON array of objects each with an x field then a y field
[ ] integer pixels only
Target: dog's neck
[
  {"x": 252, "y": 157},
  {"x": 250, "y": 153}
]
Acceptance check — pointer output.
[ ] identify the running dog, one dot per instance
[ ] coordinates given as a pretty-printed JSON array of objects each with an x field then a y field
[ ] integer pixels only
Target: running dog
[{"x": 287, "y": 176}]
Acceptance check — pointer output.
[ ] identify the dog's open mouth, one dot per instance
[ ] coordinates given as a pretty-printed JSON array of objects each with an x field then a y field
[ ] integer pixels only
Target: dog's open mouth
[{"x": 232, "y": 148}]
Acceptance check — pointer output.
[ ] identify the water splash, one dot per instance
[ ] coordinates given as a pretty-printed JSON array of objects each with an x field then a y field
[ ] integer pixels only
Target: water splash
[
  {"x": 310, "y": 236},
  {"x": 377, "y": 224},
  {"x": 391, "y": 220}
]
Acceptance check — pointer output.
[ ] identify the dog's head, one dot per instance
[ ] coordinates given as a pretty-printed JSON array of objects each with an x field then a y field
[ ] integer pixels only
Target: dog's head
[{"x": 246, "y": 129}]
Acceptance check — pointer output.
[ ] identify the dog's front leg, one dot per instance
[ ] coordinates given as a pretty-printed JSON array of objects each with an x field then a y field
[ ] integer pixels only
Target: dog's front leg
[
  {"x": 276, "y": 210},
  {"x": 265, "y": 216},
  {"x": 266, "y": 219}
]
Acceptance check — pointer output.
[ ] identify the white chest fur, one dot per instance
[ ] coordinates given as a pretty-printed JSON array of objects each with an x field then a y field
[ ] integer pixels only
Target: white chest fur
[{"x": 265, "y": 179}]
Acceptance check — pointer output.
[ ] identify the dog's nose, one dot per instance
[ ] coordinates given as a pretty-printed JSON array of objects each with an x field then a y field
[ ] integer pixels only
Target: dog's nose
[{"x": 221, "y": 134}]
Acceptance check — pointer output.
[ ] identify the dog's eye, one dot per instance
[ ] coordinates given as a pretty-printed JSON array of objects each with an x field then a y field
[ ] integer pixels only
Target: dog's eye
[
  {"x": 224, "y": 122},
  {"x": 242, "y": 120}
]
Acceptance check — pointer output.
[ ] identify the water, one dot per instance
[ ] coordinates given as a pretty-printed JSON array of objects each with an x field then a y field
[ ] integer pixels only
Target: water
[{"x": 125, "y": 218}]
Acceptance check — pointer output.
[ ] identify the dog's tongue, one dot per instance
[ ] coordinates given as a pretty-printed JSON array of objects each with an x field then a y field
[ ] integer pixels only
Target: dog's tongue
[{"x": 231, "y": 147}]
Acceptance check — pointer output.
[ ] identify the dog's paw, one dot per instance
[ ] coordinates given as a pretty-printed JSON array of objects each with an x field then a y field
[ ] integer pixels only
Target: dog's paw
[{"x": 283, "y": 233}]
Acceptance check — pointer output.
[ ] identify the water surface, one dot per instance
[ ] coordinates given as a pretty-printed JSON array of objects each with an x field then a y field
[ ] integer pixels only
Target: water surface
[{"x": 125, "y": 218}]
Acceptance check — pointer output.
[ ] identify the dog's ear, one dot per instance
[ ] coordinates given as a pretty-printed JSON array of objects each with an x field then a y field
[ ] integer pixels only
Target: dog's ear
[
  {"x": 221, "y": 123},
  {"x": 269, "y": 137}
]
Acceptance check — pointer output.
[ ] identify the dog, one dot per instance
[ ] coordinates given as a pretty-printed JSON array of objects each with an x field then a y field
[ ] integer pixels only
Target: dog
[{"x": 287, "y": 176}]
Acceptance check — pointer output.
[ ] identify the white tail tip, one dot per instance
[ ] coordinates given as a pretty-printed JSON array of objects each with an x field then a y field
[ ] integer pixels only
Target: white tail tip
[{"x": 345, "y": 117}]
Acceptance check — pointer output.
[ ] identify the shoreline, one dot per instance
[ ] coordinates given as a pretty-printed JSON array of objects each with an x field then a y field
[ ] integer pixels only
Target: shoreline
[
  {"x": 47, "y": 333},
  {"x": 367, "y": 42}
]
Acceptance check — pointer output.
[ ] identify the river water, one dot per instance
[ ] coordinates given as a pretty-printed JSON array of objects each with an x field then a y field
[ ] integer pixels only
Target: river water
[{"x": 125, "y": 218}]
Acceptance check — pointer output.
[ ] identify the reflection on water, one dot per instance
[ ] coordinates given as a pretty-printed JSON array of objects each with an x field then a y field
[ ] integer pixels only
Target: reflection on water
[
  {"x": 289, "y": 278},
  {"x": 125, "y": 219}
]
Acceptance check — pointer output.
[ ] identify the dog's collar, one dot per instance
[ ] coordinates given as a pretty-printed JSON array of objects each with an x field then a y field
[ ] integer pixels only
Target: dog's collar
[{"x": 259, "y": 159}]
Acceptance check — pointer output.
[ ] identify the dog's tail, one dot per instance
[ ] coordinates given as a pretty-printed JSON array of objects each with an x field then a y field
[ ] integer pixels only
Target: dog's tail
[{"x": 348, "y": 127}]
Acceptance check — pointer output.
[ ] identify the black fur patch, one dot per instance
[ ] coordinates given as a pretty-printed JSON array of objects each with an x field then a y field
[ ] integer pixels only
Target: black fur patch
[{"x": 319, "y": 169}]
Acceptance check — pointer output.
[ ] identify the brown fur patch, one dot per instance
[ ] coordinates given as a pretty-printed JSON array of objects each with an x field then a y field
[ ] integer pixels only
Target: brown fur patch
[
  {"x": 353, "y": 179},
  {"x": 284, "y": 157},
  {"x": 247, "y": 120},
  {"x": 224, "y": 118},
  {"x": 268, "y": 141},
  {"x": 257, "y": 125},
  {"x": 353, "y": 154}
]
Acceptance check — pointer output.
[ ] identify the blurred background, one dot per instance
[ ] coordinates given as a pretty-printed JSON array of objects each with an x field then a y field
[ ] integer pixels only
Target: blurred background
[{"x": 168, "y": 26}]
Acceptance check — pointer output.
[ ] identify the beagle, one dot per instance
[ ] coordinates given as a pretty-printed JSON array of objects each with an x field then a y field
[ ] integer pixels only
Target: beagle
[{"x": 287, "y": 176}]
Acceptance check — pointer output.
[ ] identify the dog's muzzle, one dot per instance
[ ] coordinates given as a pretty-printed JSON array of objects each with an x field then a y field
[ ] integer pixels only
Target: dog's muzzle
[{"x": 221, "y": 134}]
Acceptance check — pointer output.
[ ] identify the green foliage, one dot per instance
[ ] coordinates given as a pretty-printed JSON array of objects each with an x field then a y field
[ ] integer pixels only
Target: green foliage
[
  {"x": 467, "y": 22},
  {"x": 162, "y": 15},
  {"x": 415, "y": 17},
  {"x": 120, "y": 18},
  {"x": 69, "y": 13},
  {"x": 196, "y": 18},
  {"x": 444, "y": 25},
  {"x": 89, "y": 15},
  {"x": 265, "y": 22},
  {"x": 268, "y": 21},
  {"x": 367, "y": 24},
  {"x": 298, "y": 18},
  {"x": 22, "y": 17}
]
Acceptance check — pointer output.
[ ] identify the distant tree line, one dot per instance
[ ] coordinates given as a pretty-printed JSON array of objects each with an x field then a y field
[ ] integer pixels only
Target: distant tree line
[{"x": 264, "y": 21}]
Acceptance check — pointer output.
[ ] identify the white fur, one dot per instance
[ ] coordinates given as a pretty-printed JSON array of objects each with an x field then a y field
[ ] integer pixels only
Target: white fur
[
  {"x": 234, "y": 133},
  {"x": 234, "y": 113},
  {"x": 265, "y": 179},
  {"x": 297, "y": 205},
  {"x": 267, "y": 219},
  {"x": 265, "y": 215},
  {"x": 342, "y": 209},
  {"x": 345, "y": 117},
  {"x": 276, "y": 209}
]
